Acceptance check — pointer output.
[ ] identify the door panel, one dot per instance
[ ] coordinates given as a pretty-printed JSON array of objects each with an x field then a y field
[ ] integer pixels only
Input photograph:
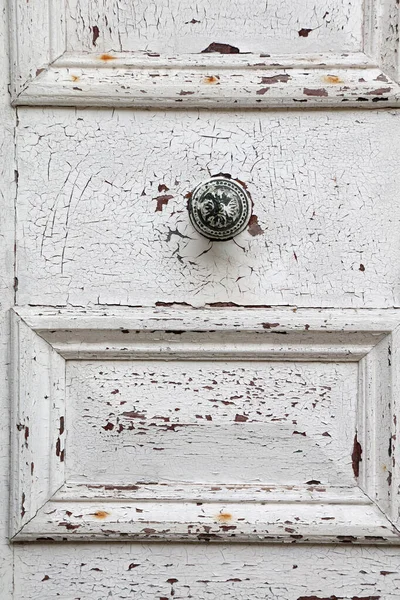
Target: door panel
[
  {"x": 181, "y": 27},
  {"x": 102, "y": 213},
  {"x": 213, "y": 571},
  {"x": 194, "y": 419}
]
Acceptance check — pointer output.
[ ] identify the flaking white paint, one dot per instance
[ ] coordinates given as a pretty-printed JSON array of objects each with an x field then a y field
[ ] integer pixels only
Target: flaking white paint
[
  {"x": 179, "y": 26},
  {"x": 57, "y": 69},
  {"x": 102, "y": 217},
  {"x": 360, "y": 224},
  {"x": 7, "y": 198}
]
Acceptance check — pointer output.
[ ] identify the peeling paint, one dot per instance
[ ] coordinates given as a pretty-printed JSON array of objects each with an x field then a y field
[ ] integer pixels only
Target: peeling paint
[{"x": 356, "y": 456}]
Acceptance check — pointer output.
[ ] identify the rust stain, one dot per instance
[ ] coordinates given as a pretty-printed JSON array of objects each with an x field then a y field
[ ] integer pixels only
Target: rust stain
[
  {"x": 162, "y": 188},
  {"x": 107, "y": 57},
  {"x": 221, "y": 49},
  {"x": 96, "y": 33},
  {"x": 254, "y": 227},
  {"x": 162, "y": 201},
  {"x": 211, "y": 79},
  {"x": 75, "y": 77},
  {"x": 356, "y": 456},
  {"x": 321, "y": 92},
  {"x": 332, "y": 79},
  {"x": 100, "y": 514},
  {"x": 224, "y": 517}
]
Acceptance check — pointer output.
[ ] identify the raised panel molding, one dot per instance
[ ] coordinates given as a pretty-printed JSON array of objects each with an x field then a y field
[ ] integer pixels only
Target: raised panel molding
[
  {"x": 46, "y": 505},
  {"x": 45, "y": 73}
]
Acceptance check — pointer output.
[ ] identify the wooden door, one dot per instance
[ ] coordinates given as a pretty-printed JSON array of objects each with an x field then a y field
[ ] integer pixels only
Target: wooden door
[{"x": 194, "y": 418}]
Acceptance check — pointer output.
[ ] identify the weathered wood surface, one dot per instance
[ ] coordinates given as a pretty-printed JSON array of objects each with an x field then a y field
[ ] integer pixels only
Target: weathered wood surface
[
  {"x": 168, "y": 419},
  {"x": 96, "y": 226},
  {"x": 217, "y": 422},
  {"x": 140, "y": 81},
  {"x": 120, "y": 571},
  {"x": 102, "y": 213},
  {"x": 154, "y": 57},
  {"x": 7, "y": 197},
  {"x": 179, "y": 26}
]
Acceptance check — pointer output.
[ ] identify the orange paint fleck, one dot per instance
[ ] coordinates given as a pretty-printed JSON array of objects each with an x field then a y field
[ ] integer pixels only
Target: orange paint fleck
[
  {"x": 107, "y": 57},
  {"x": 332, "y": 79},
  {"x": 101, "y": 514},
  {"x": 211, "y": 79},
  {"x": 224, "y": 517},
  {"x": 75, "y": 78}
]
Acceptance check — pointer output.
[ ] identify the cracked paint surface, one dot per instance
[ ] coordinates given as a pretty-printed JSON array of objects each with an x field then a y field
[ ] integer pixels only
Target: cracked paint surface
[
  {"x": 238, "y": 414},
  {"x": 101, "y": 219},
  {"x": 179, "y": 26},
  {"x": 207, "y": 572},
  {"x": 322, "y": 184},
  {"x": 7, "y": 283}
]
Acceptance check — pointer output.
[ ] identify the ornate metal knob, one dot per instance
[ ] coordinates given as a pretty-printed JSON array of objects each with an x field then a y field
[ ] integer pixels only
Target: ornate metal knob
[{"x": 220, "y": 208}]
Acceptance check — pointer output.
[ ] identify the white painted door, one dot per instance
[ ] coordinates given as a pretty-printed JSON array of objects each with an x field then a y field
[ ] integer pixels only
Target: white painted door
[{"x": 194, "y": 418}]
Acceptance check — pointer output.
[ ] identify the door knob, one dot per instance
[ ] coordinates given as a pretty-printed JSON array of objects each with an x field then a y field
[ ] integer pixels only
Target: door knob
[{"x": 220, "y": 208}]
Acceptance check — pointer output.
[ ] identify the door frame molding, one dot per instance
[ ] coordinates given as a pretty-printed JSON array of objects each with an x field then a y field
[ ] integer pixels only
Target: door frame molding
[
  {"x": 44, "y": 506},
  {"x": 44, "y": 73}
]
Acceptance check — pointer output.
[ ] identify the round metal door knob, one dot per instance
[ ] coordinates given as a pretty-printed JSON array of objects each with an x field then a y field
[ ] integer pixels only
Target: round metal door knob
[{"x": 220, "y": 208}]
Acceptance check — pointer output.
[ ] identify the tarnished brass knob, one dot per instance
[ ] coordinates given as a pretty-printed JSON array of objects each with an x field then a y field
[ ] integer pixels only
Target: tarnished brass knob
[{"x": 220, "y": 208}]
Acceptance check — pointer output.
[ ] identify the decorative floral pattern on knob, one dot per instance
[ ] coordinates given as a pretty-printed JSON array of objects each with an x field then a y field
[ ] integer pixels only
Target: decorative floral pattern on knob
[{"x": 220, "y": 208}]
